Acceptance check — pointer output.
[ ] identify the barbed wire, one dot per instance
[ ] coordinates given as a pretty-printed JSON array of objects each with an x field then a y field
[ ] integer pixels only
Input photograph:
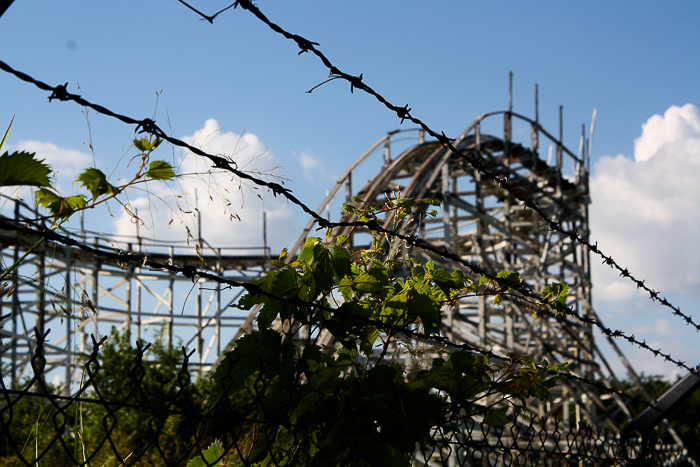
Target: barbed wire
[
  {"x": 191, "y": 272},
  {"x": 403, "y": 113},
  {"x": 147, "y": 125},
  {"x": 435, "y": 340}
]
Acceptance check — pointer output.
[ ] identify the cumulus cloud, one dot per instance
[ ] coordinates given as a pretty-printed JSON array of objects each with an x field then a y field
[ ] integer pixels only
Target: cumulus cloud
[
  {"x": 66, "y": 163},
  {"x": 645, "y": 213},
  {"x": 677, "y": 132},
  {"x": 314, "y": 168},
  {"x": 230, "y": 209}
]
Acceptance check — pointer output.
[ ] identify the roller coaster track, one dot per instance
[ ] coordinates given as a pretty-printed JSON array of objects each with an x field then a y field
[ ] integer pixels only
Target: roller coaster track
[
  {"x": 485, "y": 226},
  {"x": 75, "y": 294}
]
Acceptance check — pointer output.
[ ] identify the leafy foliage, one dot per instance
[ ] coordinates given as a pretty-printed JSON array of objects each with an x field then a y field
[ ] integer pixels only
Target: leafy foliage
[
  {"x": 58, "y": 206},
  {"x": 148, "y": 400},
  {"x": 362, "y": 404},
  {"x": 209, "y": 456},
  {"x": 95, "y": 181},
  {"x": 145, "y": 145},
  {"x": 296, "y": 399},
  {"x": 160, "y": 170},
  {"x": 555, "y": 296},
  {"x": 154, "y": 382},
  {"x": 23, "y": 168}
]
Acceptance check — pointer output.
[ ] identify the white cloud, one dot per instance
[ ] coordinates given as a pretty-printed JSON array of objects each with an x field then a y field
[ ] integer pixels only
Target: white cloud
[
  {"x": 67, "y": 163},
  {"x": 230, "y": 209},
  {"x": 314, "y": 168},
  {"x": 676, "y": 132},
  {"x": 645, "y": 212},
  {"x": 613, "y": 288}
]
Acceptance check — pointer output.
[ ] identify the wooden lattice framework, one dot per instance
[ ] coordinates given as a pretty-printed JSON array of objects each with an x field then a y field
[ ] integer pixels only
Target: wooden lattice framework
[
  {"x": 485, "y": 226},
  {"x": 76, "y": 294}
]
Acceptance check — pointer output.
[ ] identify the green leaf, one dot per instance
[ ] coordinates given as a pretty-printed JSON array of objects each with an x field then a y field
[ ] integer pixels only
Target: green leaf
[
  {"x": 211, "y": 455},
  {"x": 356, "y": 309},
  {"x": 418, "y": 272},
  {"x": 280, "y": 283},
  {"x": 268, "y": 314},
  {"x": 346, "y": 288},
  {"x": 350, "y": 209},
  {"x": 367, "y": 283},
  {"x": 305, "y": 404},
  {"x": 145, "y": 145},
  {"x": 557, "y": 368},
  {"x": 324, "y": 262},
  {"x": 555, "y": 296},
  {"x": 497, "y": 417},
  {"x": 428, "y": 309},
  {"x": 464, "y": 362},
  {"x": 22, "y": 168},
  {"x": 444, "y": 280},
  {"x": 528, "y": 362},
  {"x": 431, "y": 202},
  {"x": 339, "y": 258},
  {"x": 58, "y": 206},
  {"x": 513, "y": 280},
  {"x": 307, "y": 253},
  {"x": 458, "y": 276},
  {"x": 404, "y": 203},
  {"x": 160, "y": 170},
  {"x": 95, "y": 181},
  {"x": 278, "y": 264}
]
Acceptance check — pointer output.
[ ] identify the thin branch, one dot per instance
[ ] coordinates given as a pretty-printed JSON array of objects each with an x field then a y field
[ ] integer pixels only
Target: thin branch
[{"x": 206, "y": 17}]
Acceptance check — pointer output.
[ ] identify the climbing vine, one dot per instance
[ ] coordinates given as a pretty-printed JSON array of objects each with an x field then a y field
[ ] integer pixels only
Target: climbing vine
[
  {"x": 347, "y": 365},
  {"x": 344, "y": 368}
]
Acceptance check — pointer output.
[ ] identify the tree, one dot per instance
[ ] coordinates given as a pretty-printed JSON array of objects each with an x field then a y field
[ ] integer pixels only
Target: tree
[{"x": 131, "y": 399}]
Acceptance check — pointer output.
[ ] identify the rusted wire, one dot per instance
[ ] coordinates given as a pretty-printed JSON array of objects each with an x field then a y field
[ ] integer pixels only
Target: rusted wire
[
  {"x": 149, "y": 126},
  {"x": 403, "y": 113},
  {"x": 126, "y": 258},
  {"x": 576, "y": 443}
]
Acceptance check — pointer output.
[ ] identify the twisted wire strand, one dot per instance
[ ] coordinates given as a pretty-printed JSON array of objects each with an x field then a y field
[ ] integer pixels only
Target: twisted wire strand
[
  {"x": 403, "y": 113},
  {"x": 192, "y": 272},
  {"x": 148, "y": 126}
]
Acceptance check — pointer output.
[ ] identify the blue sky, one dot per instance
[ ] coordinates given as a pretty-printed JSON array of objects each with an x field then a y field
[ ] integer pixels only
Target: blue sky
[{"x": 629, "y": 60}]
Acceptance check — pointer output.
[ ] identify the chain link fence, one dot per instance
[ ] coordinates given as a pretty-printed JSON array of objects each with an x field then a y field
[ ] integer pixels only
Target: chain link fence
[{"x": 127, "y": 409}]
